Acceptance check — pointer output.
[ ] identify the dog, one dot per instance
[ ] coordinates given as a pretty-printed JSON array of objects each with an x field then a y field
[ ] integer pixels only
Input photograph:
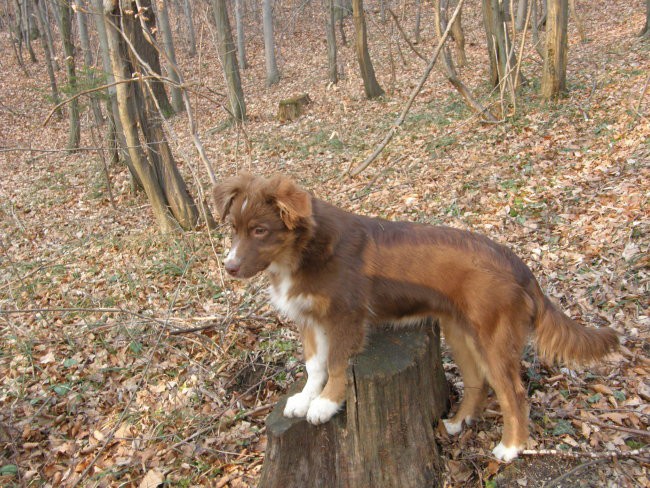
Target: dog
[{"x": 337, "y": 274}]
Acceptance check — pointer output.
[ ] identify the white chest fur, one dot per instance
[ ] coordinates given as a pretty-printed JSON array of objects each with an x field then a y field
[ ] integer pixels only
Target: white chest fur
[{"x": 296, "y": 307}]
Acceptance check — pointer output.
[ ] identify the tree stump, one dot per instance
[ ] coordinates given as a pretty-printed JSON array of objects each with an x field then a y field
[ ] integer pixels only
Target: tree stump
[
  {"x": 292, "y": 108},
  {"x": 384, "y": 437}
]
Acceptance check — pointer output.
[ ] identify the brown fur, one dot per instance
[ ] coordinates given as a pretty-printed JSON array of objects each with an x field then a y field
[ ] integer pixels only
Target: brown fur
[{"x": 358, "y": 272}]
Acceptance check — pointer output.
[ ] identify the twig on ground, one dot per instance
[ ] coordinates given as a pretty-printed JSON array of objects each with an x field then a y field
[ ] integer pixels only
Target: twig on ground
[
  {"x": 571, "y": 472},
  {"x": 583, "y": 454}
]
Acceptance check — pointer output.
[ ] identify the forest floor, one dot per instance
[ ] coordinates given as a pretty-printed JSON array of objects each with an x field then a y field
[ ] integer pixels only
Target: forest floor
[{"x": 128, "y": 357}]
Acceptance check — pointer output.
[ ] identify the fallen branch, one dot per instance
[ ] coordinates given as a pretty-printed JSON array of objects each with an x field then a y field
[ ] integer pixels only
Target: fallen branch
[
  {"x": 643, "y": 451},
  {"x": 571, "y": 472},
  {"x": 416, "y": 91}
]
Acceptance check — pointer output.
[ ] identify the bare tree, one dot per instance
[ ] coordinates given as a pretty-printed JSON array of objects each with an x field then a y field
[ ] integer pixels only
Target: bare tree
[
  {"x": 74, "y": 133},
  {"x": 171, "y": 203},
  {"x": 646, "y": 28},
  {"x": 187, "y": 9},
  {"x": 241, "y": 39},
  {"x": 84, "y": 41},
  {"x": 555, "y": 59},
  {"x": 170, "y": 54},
  {"x": 522, "y": 13},
  {"x": 330, "y": 27},
  {"x": 48, "y": 55},
  {"x": 272, "y": 73},
  {"x": 500, "y": 48},
  {"x": 226, "y": 49},
  {"x": 370, "y": 83}
]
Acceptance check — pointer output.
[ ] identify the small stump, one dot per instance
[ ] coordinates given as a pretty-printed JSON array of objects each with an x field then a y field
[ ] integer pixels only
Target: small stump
[
  {"x": 292, "y": 108},
  {"x": 396, "y": 391}
]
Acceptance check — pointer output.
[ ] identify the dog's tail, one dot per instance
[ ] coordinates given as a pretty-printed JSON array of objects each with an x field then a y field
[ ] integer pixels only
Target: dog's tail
[{"x": 560, "y": 338}]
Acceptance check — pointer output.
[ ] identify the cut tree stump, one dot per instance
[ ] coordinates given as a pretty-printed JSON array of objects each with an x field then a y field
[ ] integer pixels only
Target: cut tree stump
[
  {"x": 384, "y": 437},
  {"x": 292, "y": 108}
]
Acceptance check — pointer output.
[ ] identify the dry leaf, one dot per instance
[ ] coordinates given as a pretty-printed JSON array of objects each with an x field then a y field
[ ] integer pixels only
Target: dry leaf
[{"x": 152, "y": 479}]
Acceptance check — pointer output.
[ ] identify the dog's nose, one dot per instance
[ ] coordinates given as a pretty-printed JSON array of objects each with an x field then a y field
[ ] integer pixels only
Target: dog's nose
[{"x": 232, "y": 266}]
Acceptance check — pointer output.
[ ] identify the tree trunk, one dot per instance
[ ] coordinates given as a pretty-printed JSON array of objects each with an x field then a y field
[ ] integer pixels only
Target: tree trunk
[
  {"x": 74, "y": 133},
  {"x": 555, "y": 60},
  {"x": 156, "y": 169},
  {"x": 48, "y": 55},
  {"x": 84, "y": 40},
  {"x": 440, "y": 25},
  {"x": 457, "y": 34},
  {"x": 272, "y": 73},
  {"x": 646, "y": 28},
  {"x": 115, "y": 133},
  {"x": 418, "y": 17},
  {"x": 396, "y": 391},
  {"x": 370, "y": 83},
  {"x": 187, "y": 8},
  {"x": 226, "y": 50},
  {"x": 500, "y": 49},
  {"x": 522, "y": 13},
  {"x": 330, "y": 27},
  {"x": 45, "y": 24},
  {"x": 241, "y": 39},
  {"x": 168, "y": 45}
]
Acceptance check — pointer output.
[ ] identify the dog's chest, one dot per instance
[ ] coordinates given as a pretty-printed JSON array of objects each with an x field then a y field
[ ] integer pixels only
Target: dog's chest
[{"x": 295, "y": 306}]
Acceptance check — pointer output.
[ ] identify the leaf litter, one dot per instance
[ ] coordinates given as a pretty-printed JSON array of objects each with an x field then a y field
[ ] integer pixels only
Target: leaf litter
[{"x": 139, "y": 361}]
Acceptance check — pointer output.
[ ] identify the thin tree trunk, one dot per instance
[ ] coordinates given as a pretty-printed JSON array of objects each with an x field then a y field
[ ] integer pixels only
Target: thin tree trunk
[
  {"x": 440, "y": 25},
  {"x": 115, "y": 132},
  {"x": 579, "y": 23},
  {"x": 156, "y": 168},
  {"x": 187, "y": 8},
  {"x": 226, "y": 49},
  {"x": 84, "y": 40},
  {"x": 502, "y": 56},
  {"x": 272, "y": 73},
  {"x": 48, "y": 56},
  {"x": 522, "y": 13},
  {"x": 26, "y": 29},
  {"x": 370, "y": 83},
  {"x": 646, "y": 28},
  {"x": 331, "y": 43},
  {"x": 418, "y": 16},
  {"x": 45, "y": 23},
  {"x": 168, "y": 45},
  {"x": 241, "y": 39},
  {"x": 555, "y": 61},
  {"x": 74, "y": 133}
]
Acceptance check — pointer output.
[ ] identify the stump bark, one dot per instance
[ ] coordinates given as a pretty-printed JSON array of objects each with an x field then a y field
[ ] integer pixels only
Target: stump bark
[
  {"x": 292, "y": 108},
  {"x": 384, "y": 437}
]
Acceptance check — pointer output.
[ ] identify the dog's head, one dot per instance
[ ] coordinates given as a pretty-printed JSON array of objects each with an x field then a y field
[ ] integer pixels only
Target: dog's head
[{"x": 270, "y": 218}]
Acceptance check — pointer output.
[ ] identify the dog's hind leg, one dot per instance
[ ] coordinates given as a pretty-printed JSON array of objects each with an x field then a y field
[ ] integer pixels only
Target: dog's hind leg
[
  {"x": 503, "y": 372},
  {"x": 474, "y": 381}
]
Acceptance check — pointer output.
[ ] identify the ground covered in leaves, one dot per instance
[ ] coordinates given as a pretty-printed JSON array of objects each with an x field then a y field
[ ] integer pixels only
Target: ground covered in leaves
[{"x": 127, "y": 357}]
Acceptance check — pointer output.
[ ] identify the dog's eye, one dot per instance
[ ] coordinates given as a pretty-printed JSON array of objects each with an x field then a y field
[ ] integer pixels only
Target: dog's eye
[{"x": 260, "y": 231}]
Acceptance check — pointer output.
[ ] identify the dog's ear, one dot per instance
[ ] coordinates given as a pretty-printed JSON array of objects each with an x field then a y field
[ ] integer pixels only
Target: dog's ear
[
  {"x": 225, "y": 192},
  {"x": 294, "y": 202}
]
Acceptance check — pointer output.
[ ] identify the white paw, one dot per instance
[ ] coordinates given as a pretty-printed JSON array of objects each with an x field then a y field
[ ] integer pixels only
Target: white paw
[
  {"x": 505, "y": 454},
  {"x": 321, "y": 410},
  {"x": 452, "y": 428},
  {"x": 297, "y": 405}
]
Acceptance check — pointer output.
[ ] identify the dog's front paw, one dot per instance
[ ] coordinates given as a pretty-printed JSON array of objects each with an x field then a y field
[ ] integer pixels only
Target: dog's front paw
[
  {"x": 321, "y": 410},
  {"x": 297, "y": 405},
  {"x": 452, "y": 428},
  {"x": 505, "y": 454}
]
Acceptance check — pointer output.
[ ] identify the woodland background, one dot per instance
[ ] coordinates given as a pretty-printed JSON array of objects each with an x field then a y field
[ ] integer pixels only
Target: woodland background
[{"x": 127, "y": 357}]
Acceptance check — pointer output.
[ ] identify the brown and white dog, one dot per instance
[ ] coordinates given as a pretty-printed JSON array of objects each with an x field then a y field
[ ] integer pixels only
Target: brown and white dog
[{"x": 336, "y": 274}]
